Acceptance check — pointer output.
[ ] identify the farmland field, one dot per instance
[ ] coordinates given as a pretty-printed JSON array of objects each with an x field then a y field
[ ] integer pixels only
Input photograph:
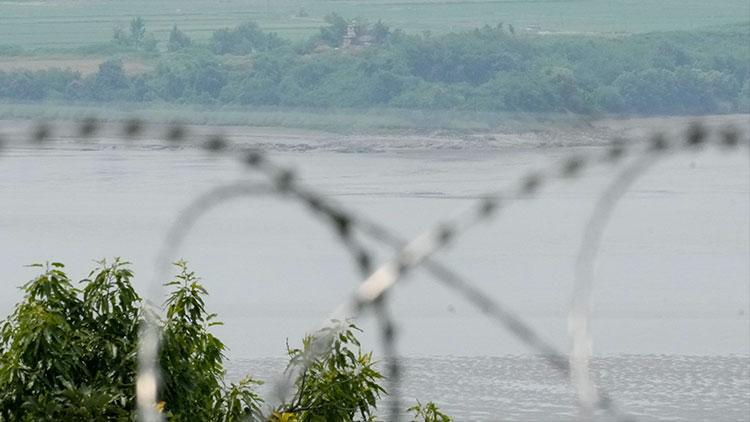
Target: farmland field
[
  {"x": 85, "y": 65},
  {"x": 65, "y": 23}
]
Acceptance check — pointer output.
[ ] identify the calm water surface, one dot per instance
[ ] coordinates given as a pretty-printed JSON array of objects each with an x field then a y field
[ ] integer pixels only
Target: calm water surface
[
  {"x": 524, "y": 388},
  {"x": 671, "y": 297}
]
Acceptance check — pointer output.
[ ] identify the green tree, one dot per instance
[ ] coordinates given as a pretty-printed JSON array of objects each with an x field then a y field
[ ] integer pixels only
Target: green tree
[
  {"x": 137, "y": 31},
  {"x": 333, "y": 34},
  {"x": 246, "y": 38},
  {"x": 380, "y": 32},
  {"x": 109, "y": 83},
  {"x": 120, "y": 37},
  {"x": 69, "y": 353},
  {"x": 178, "y": 40},
  {"x": 192, "y": 358}
]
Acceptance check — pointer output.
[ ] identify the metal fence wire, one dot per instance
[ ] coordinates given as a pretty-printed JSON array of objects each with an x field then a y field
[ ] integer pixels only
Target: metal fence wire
[{"x": 629, "y": 159}]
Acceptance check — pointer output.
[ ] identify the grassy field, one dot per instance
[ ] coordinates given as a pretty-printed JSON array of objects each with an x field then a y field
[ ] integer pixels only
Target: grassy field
[
  {"x": 341, "y": 121},
  {"x": 69, "y": 23},
  {"x": 84, "y": 65}
]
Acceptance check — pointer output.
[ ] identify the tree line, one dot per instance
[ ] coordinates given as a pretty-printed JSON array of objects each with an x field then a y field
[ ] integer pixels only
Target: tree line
[{"x": 351, "y": 63}]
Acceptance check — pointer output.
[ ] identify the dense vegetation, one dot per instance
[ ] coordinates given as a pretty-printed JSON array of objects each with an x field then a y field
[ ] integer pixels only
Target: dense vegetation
[
  {"x": 69, "y": 353},
  {"x": 355, "y": 64}
]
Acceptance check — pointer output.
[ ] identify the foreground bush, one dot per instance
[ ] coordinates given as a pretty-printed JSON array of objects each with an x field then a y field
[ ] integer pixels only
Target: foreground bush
[{"x": 68, "y": 352}]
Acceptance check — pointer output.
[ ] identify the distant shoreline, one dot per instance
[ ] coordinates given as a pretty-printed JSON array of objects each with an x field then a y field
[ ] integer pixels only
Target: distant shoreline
[{"x": 296, "y": 131}]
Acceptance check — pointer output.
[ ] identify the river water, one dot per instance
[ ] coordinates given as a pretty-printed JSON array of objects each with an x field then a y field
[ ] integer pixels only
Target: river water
[{"x": 671, "y": 298}]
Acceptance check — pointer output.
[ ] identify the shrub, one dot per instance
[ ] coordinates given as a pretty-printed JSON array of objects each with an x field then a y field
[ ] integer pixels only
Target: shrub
[
  {"x": 428, "y": 413},
  {"x": 339, "y": 384},
  {"x": 178, "y": 40},
  {"x": 245, "y": 39}
]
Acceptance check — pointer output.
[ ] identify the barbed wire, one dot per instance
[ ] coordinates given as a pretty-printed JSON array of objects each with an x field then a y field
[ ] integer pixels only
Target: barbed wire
[
  {"x": 281, "y": 184},
  {"x": 579, "y": 314},
  {"x": 422, "y": 247},
  {"x": 361, "y": 256},
  {"x": 411, "y": 255}
]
